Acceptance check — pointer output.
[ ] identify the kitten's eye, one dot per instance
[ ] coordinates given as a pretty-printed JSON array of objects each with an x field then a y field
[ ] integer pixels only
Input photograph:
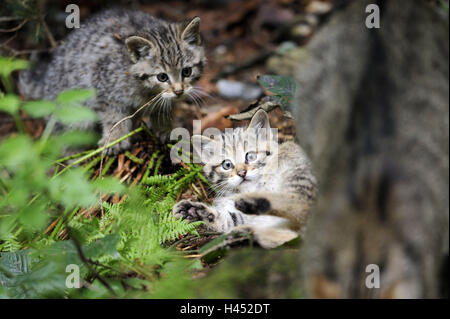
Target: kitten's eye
[
  {"x": 186, "y": 72},
  {"x": 226, "y": 165},
  {"x": 162, "y": 77},
  {"x": 250, "y": 157},
  {"x": 143, "y": 77},
  {"x": 268, "y": 153}
]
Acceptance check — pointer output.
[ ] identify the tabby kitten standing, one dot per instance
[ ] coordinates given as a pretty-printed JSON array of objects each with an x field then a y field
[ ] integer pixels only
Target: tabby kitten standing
[
  {"x": 128, "y": 57},
  {"x": 274, "y": 184}
]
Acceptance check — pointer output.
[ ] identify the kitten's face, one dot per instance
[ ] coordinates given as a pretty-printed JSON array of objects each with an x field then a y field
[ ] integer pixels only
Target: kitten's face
[
  {"x": 245, "y": 153},
  {"x": 169, "y": 61}
]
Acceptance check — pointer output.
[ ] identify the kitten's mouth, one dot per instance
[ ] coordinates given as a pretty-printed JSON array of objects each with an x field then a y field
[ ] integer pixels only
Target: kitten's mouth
[{"x": 244, "y": 180}]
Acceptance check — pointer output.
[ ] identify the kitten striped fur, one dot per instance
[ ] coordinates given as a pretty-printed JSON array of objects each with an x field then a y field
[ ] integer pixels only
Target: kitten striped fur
[
  {"x": 128, "y": 57},
  {"x": 261, "y": 187}
]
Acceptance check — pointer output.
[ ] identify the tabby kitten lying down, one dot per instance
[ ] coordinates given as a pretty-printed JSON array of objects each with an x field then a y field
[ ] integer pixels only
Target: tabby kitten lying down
[
  {"x": 128, "y": 57},
  {"x": 262, "y": 187}
]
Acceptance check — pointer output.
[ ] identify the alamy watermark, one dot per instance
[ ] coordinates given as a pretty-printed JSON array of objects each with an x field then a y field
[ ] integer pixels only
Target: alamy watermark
[
  {"x": 73, "y": 19},
  {"x": 373, "y": 18},
  {"x": 373, "y": 277},
  {"x": 73, "y": 278}
]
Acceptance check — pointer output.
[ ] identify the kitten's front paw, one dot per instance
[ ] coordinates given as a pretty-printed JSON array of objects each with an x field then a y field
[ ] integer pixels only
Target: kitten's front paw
[
  {"x": 255, "y": 206},
  {"x": 193, "y": 211}
]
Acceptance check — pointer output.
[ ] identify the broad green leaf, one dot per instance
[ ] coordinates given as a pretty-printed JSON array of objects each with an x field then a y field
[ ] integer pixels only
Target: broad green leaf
[
  {"x": 75, "y": 114},
  {"x": 39, "y": 108},
  {"x": 47, "y": 276},
  {"x": 7, "y": 223},
  {"x": 106, "y": 246},
  {"x": 14, "y": 151},
  {"x": 34, "y": 217},
  {"x": 10, "y": 104},
  {"x": 75, "y": 95},
  {"x": 77, "y": 138},
  {"x": 13, "y": 264},
  {"x": 9, "y": 65},
  {"x": 73, "y": 189}
]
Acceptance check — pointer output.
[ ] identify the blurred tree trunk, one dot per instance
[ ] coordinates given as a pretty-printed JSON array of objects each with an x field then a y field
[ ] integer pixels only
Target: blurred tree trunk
[{"x": 372, "y": 111}]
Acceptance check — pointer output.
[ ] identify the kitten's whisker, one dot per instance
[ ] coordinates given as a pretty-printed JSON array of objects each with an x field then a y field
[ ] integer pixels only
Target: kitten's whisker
[
  {"x": 194, "y": 99},
  {"x": 220, "y": 188},
  {"x": 198, "y": 97},
  {"x": 163, "y": 109},
  {"x": 200, "y": 90},
  {"x": 168, "y": 109}
]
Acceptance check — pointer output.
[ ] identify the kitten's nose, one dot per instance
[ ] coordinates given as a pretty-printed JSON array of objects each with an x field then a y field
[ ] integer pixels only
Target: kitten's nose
[
  {"x": 178, "y": 92},
  {"x": 178, "y": 88},
  {"x": 242, "y": 173}
]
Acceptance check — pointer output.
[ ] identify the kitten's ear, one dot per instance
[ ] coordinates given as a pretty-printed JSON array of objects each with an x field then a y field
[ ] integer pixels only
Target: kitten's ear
[
  {"x": 191, "y": 32},
  {"x": 259, "y": 120},
  {"x": 203, "y": 146},
  {"x": 138, "y": 47}
]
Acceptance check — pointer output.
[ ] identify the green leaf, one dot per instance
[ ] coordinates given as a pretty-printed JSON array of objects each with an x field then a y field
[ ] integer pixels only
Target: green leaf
[
  {"x": 109, "y": 185},
  {"x": 9, "y": 65},
  {"x": 34, "y": 217},
  {"x": 281, "y": 85},
  {"x": 75, "y": 114},
  {"x": 103, "y": 247},
  {"x": 76, "y": 138},
  {"x": 14, "y": 151},
  {"x": 75, "y": 96},
  {"x": 39, "y": 108},
  {"x": 283, "y": 100},
  {"x": 73, "y": 189},
  {"x": 10, "y": 104},
  {"x": 13, "y": 265}
]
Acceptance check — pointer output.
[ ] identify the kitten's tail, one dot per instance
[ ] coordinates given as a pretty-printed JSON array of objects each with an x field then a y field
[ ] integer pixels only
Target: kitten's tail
[{"x": 31, "y": 82}]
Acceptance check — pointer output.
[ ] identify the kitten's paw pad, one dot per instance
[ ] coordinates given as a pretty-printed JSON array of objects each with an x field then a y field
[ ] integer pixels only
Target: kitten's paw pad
[
  {"x": 192, "y": 211},
  {"x": 252, "y": 205}
]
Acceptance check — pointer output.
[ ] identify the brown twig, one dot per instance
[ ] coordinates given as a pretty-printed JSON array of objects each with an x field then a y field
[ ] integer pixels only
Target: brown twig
[
  {"x": 7, "y": 19},
  {"x": 202, "y": 188},
  {"x": 20, "y": 25},
  {"x": 50, "y": 37}
]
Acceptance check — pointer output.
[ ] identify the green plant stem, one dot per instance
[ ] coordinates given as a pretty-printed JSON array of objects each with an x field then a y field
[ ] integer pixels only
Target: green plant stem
[
  {"x": 149, "y": 167},
  {"x": 134, "y": 158},
  {"x": 19, "y": 123},
  {"x": 158, "y": 164},
  {"x": 89, "y": 155},
  {"x": 92, "y": 163},
  {"x": 3, "y": 185},
  {"x": 107, "y": 166},
  {"x": 48, "y": 129},
  {"x": 99, "y": 150},
  {"x": 7, "y": 84},
  {"x": 73, "y": 156}
]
